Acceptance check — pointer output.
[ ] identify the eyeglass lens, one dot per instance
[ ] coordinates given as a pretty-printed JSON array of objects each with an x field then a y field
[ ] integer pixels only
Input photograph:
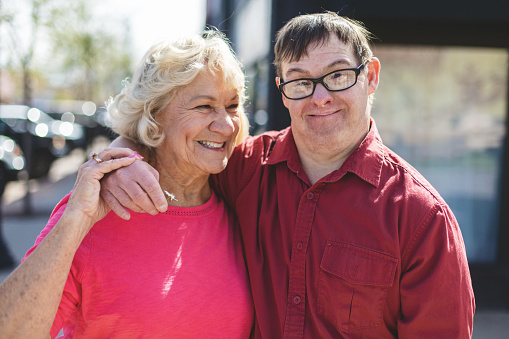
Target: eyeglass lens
[{"x": 335, "y": 81}]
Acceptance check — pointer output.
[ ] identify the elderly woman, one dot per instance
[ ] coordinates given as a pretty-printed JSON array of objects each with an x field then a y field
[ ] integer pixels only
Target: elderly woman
[{"x": 175, "y": 274}]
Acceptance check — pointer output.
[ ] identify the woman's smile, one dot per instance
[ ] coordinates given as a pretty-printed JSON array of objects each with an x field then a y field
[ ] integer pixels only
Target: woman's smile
[{"x": 211, "y": 144}]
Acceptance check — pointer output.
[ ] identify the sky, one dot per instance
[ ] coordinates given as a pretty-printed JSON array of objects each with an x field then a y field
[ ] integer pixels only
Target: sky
[{"x": 152, "y": 20}]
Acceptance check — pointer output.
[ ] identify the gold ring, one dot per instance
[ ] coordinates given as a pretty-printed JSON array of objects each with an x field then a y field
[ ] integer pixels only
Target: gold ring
[{"x": 95, "y": 156}]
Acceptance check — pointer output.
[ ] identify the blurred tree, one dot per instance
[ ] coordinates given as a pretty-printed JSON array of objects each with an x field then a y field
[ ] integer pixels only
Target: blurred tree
[
  {"x": 91, "y": 52},
  {"x": 64, "y": 46},
  {"x": 22, "y": 51},
  {"x": 81, "y": 55}
]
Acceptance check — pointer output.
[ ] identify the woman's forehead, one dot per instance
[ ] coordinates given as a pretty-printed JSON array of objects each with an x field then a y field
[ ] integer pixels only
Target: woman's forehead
[
  {"x": 209, "y": 88},
  {"x": 215, "y": 81}
]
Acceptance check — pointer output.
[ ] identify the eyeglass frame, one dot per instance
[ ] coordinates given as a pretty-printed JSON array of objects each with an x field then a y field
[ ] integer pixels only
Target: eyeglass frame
[{"x": 319, "y": 80}]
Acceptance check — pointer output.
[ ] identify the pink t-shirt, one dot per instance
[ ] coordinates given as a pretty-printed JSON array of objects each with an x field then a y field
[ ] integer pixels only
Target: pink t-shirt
[{"x": 178, "y": 274}]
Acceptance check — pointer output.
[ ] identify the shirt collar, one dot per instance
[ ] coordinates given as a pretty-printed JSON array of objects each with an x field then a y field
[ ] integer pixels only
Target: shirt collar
[
  {"x": 284, "y": 149},
  {"x": 365, "y": 161}
]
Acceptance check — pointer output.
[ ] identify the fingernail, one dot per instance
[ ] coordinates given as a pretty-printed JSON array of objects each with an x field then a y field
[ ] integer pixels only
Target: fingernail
[
  {"x": 135, "y": 155},
  {"x": 162, "y": 208}
]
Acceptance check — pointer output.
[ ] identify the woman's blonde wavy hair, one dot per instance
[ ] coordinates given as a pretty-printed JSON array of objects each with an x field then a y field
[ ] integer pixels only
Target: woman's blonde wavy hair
[{"x": 166, "y": 67}]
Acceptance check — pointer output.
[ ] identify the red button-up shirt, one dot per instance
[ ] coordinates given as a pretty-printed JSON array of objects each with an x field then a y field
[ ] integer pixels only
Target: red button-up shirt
[{"x": 369, "y": 251}]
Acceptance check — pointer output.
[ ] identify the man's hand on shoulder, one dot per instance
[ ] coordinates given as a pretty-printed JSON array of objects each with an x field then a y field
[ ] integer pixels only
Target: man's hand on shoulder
[{"x": 135, "y": 187}]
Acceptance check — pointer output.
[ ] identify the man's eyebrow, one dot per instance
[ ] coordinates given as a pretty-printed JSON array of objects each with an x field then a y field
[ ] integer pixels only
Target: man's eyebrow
[
  {"x": 295, "y": 70},
  {"x": 300, "y": 70},
  {"x": 344, "y": 62}
]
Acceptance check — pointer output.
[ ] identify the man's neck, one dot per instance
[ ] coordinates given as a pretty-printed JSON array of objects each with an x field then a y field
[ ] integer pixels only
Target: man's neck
[
  {"x": 315, "y": 172},
  {"x": 318, "y": 165},
  {"x": 320, "y": 156}
]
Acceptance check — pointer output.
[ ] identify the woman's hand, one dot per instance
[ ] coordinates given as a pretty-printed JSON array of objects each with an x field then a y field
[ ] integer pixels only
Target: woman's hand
[{"x": 85, "y": 200}]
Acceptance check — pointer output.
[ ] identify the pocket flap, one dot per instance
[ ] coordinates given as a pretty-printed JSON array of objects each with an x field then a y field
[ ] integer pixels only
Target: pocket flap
[{"x": 359, "y": 265}]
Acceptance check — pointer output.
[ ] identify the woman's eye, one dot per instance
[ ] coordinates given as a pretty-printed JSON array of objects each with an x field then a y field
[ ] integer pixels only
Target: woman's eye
[{"x": 204, "y": 107}]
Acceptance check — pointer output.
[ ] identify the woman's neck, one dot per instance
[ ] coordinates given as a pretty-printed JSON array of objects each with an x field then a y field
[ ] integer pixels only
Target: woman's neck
[{"x": 183, "y": 189}]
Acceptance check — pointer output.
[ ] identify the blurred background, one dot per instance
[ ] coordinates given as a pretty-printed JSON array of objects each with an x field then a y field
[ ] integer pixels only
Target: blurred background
[
  {"x": 60, "y": 61},
  {"x": 442, "y": 102}
]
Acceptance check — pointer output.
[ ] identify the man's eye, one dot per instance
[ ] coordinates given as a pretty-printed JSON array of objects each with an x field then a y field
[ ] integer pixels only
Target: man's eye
[
  {"x": 337, "y": 75},
  {"x": 204, "y": 107},
  {"x": 233, "y": 107},
  {"x": 303, "y": 83}
]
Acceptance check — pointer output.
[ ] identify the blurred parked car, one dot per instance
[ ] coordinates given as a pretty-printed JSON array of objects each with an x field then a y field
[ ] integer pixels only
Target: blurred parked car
[
  {"x": 12, "y": 160},
  {"x": 42, "y": 138},
  {"x": 94, "y": 119}
]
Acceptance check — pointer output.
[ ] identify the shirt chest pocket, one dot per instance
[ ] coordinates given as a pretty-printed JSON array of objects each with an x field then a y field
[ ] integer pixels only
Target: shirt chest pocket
[{"x": 353, "y": 285}]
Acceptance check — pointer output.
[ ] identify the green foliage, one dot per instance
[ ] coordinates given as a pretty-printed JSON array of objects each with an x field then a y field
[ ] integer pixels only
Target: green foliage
[{"x": 83, "y": 56}]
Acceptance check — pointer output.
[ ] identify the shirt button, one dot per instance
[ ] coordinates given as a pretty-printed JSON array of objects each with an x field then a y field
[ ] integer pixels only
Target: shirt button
[
  {"x": 296, "y": 300},
  {"x": 299, "y": 245},
  {"x": 310, "y": 195}
]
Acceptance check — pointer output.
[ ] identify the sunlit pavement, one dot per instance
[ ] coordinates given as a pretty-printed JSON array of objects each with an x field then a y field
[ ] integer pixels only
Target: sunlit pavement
[{"x": 20, "y": 231}]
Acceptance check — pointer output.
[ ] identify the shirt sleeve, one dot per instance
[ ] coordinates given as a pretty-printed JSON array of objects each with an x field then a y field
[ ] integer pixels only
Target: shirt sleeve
[
  {"x": 437, "y": 299},
  {"x": 71, "y": 296}
]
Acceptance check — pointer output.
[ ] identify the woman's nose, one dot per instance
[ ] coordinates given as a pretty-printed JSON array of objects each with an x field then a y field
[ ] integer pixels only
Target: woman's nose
[{"x": 223, "y": 123}]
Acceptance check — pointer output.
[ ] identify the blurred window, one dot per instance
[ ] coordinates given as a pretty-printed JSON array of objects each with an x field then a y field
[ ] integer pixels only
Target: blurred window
[{"x": 443, "y": 109}]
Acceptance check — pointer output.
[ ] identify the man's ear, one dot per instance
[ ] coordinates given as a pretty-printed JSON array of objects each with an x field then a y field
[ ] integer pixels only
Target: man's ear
[
  {"x": 373, "y": 75},
  {"x": 278, "y": 82}
]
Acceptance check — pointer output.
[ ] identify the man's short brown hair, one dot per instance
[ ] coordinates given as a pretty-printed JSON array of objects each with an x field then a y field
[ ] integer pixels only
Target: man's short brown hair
[{"x": 294, "y": 39}]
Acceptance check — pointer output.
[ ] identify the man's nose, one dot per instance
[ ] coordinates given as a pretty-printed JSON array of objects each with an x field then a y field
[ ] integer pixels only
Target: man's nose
[{"x": 321, "y": 96}]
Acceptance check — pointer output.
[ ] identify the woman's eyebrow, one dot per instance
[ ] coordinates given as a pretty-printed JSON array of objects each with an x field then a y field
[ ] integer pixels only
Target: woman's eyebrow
[{"x": 198, "y": 97}]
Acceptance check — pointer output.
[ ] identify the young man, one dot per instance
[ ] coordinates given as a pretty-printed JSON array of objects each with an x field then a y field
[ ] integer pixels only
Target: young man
[{"x": 342, "y": 237}]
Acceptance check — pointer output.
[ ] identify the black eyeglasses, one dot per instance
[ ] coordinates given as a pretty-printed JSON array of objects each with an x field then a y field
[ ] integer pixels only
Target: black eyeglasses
[{"x": 335, "y": 81}]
